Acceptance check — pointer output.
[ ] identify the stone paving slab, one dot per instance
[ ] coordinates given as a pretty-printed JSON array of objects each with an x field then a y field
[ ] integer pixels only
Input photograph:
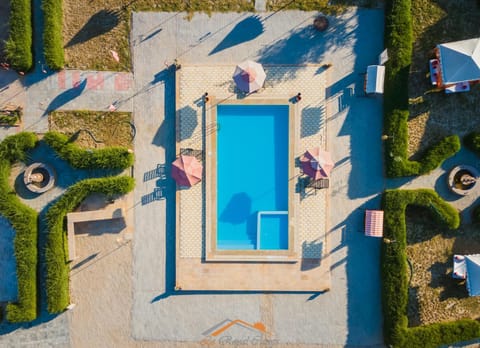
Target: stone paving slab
[{"x": 46, "y": 332}]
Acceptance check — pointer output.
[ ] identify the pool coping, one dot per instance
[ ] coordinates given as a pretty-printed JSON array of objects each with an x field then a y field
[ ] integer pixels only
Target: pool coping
[{"x": 211, "y": 251}]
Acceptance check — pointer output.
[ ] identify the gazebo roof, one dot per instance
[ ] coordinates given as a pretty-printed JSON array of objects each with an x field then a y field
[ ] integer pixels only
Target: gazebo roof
[
  {"x": 473, "y": 274},
  {"x": 460, "y": 61}
]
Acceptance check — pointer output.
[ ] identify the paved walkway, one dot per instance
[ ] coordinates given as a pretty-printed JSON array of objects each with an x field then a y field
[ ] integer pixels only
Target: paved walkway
[
  {"x": 351, "y": 312},
  {"x": 74, "y": 90}
]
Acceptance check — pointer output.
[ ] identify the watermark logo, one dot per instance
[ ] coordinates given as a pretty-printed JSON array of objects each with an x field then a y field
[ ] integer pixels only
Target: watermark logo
[{"x": 251, "y": 334}]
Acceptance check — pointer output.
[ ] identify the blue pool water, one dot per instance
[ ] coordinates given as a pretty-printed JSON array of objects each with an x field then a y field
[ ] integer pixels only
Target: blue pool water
[{"x": 252, "y": 176}]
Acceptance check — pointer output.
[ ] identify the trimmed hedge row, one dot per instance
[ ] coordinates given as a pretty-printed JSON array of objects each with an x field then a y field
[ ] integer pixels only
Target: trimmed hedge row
[
  {"x": 56, "y": 251},
  {"x": 19, "y": 43},
  {"x": 399, "y": 41},
  {"x": 394, "y": 272},
  {"x": 24, "y": 221},
  {"x": 106, "y": 158},
  {"x": 52, "y": 33}
]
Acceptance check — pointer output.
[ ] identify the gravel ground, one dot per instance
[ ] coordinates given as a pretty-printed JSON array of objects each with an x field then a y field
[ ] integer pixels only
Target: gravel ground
[{"x": 434, "y": 296}]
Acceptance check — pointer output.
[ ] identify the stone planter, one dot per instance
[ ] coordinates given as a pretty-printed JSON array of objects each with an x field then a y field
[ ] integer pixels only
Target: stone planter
[
  {"x": 39, "y": 177},
  {"x": 463, "y": 179}
]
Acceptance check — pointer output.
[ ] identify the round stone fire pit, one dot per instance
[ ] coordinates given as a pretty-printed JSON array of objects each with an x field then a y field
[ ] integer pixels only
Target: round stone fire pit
[
  {"x": 462, "y": 179},
  {"x": 321, "y": 23},
  {"x": 39, "y": 177}
]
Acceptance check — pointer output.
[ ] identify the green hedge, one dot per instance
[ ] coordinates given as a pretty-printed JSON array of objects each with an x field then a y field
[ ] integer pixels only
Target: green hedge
[
  {"x": 52, "y": 33},
  {"x": 394, "y": 272},
  {"x": 472, "y": 142},
  {"x": 476, "y": 214},
  {"x": 24, "y": 221},
  {"x": 13, "y": 148},
  {"x": 19, "y": 43},
  {"x": 56, "y": 251},
  {"x": 399, "y": 41},
  {"x": 106, "y": 158}
]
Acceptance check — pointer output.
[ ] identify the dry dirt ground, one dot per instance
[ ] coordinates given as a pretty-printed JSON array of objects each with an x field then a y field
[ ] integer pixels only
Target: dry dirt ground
[
  {"x": 104, "y": 128},
  {"x": 433, "y": 114},
  {"x": 434, "y": 295}
]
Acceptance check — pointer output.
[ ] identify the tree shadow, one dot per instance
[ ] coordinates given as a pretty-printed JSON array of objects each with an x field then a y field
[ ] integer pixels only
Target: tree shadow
[
  {"x": 413, "y": 307},
  {"x": 100, "y": 23},
  {"x": 312, "y": 120},
  {"x": 423, "y": 224},
  {"x": 8, "y": 264},
  {"x": 244, "y": 31},
  {"x": 304, "y": 44},
  {"x": 65, "y": 97},
  {"x": 363, "y": 286},
  {"x": 441, "y": 277},
  {"x": 187, "y": 122},
  {"x": 311, "y": 255},
  {"x": 4, "y": 27},
  {"x": 237, "y": 210}
]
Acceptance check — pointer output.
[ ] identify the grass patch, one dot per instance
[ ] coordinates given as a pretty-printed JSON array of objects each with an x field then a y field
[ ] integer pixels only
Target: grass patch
[
  {"x": 19, "y": 43},
  {"x": 24, "y": 221},
  {"x": 113, "y": 157},
  {"x": 324, "y": 6},
  {"x": 56, "y": 250},
  {"x": 108, "y": 128},
  {"x": 434, "y": 295},
  {"x": 394, "y": 272}
]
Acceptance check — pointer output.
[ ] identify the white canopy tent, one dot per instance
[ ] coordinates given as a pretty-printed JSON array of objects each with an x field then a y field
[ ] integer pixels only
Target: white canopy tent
[
  {"x": 374, "y": 79},
  {"x": 468, "y": 267},
  {"x": 473, "y": 274},
  {"x": 459, "y": 61}
]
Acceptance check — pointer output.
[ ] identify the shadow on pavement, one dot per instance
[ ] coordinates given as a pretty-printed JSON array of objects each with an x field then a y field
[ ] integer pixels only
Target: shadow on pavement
[
  {"x": 65, "y": 97},
  {"x": 244, "y": 31}
]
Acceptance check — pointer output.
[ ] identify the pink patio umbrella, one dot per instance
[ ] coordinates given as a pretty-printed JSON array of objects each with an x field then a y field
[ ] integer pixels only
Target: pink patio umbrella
[
  {"x": 317, "y": 163},
  {"x": 187, "y": 171},
  {"x": 249, "y": 76}
]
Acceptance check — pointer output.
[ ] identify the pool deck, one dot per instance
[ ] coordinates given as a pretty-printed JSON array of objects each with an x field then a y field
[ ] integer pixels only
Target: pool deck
[{"x": 309, "y": 267}]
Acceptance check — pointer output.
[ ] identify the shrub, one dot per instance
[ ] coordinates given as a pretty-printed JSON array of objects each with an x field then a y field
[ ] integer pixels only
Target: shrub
[
  {"x": 394, "y": 273},
  {"x": 19, "y": 43},
  {"x": 56, "y": 251},
  {"x": 106, "y": 158},
  {"x": 399, "y": 41},
  {"x": 435, "y": 156},
  {"x": 52, "y": 33},
  {"x": 14, "y": 147},
  {"x": 476, "y": 214},
  {"x": 24, "y": 221},
  {"x": 472, "y": 142}
]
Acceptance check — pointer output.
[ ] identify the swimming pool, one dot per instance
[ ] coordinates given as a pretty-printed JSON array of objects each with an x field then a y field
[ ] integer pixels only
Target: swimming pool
[{"x": 252, "y": 150}]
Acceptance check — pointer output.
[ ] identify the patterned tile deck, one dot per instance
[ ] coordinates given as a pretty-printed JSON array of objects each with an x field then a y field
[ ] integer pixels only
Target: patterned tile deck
[{"x": 312, "y": 268}]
